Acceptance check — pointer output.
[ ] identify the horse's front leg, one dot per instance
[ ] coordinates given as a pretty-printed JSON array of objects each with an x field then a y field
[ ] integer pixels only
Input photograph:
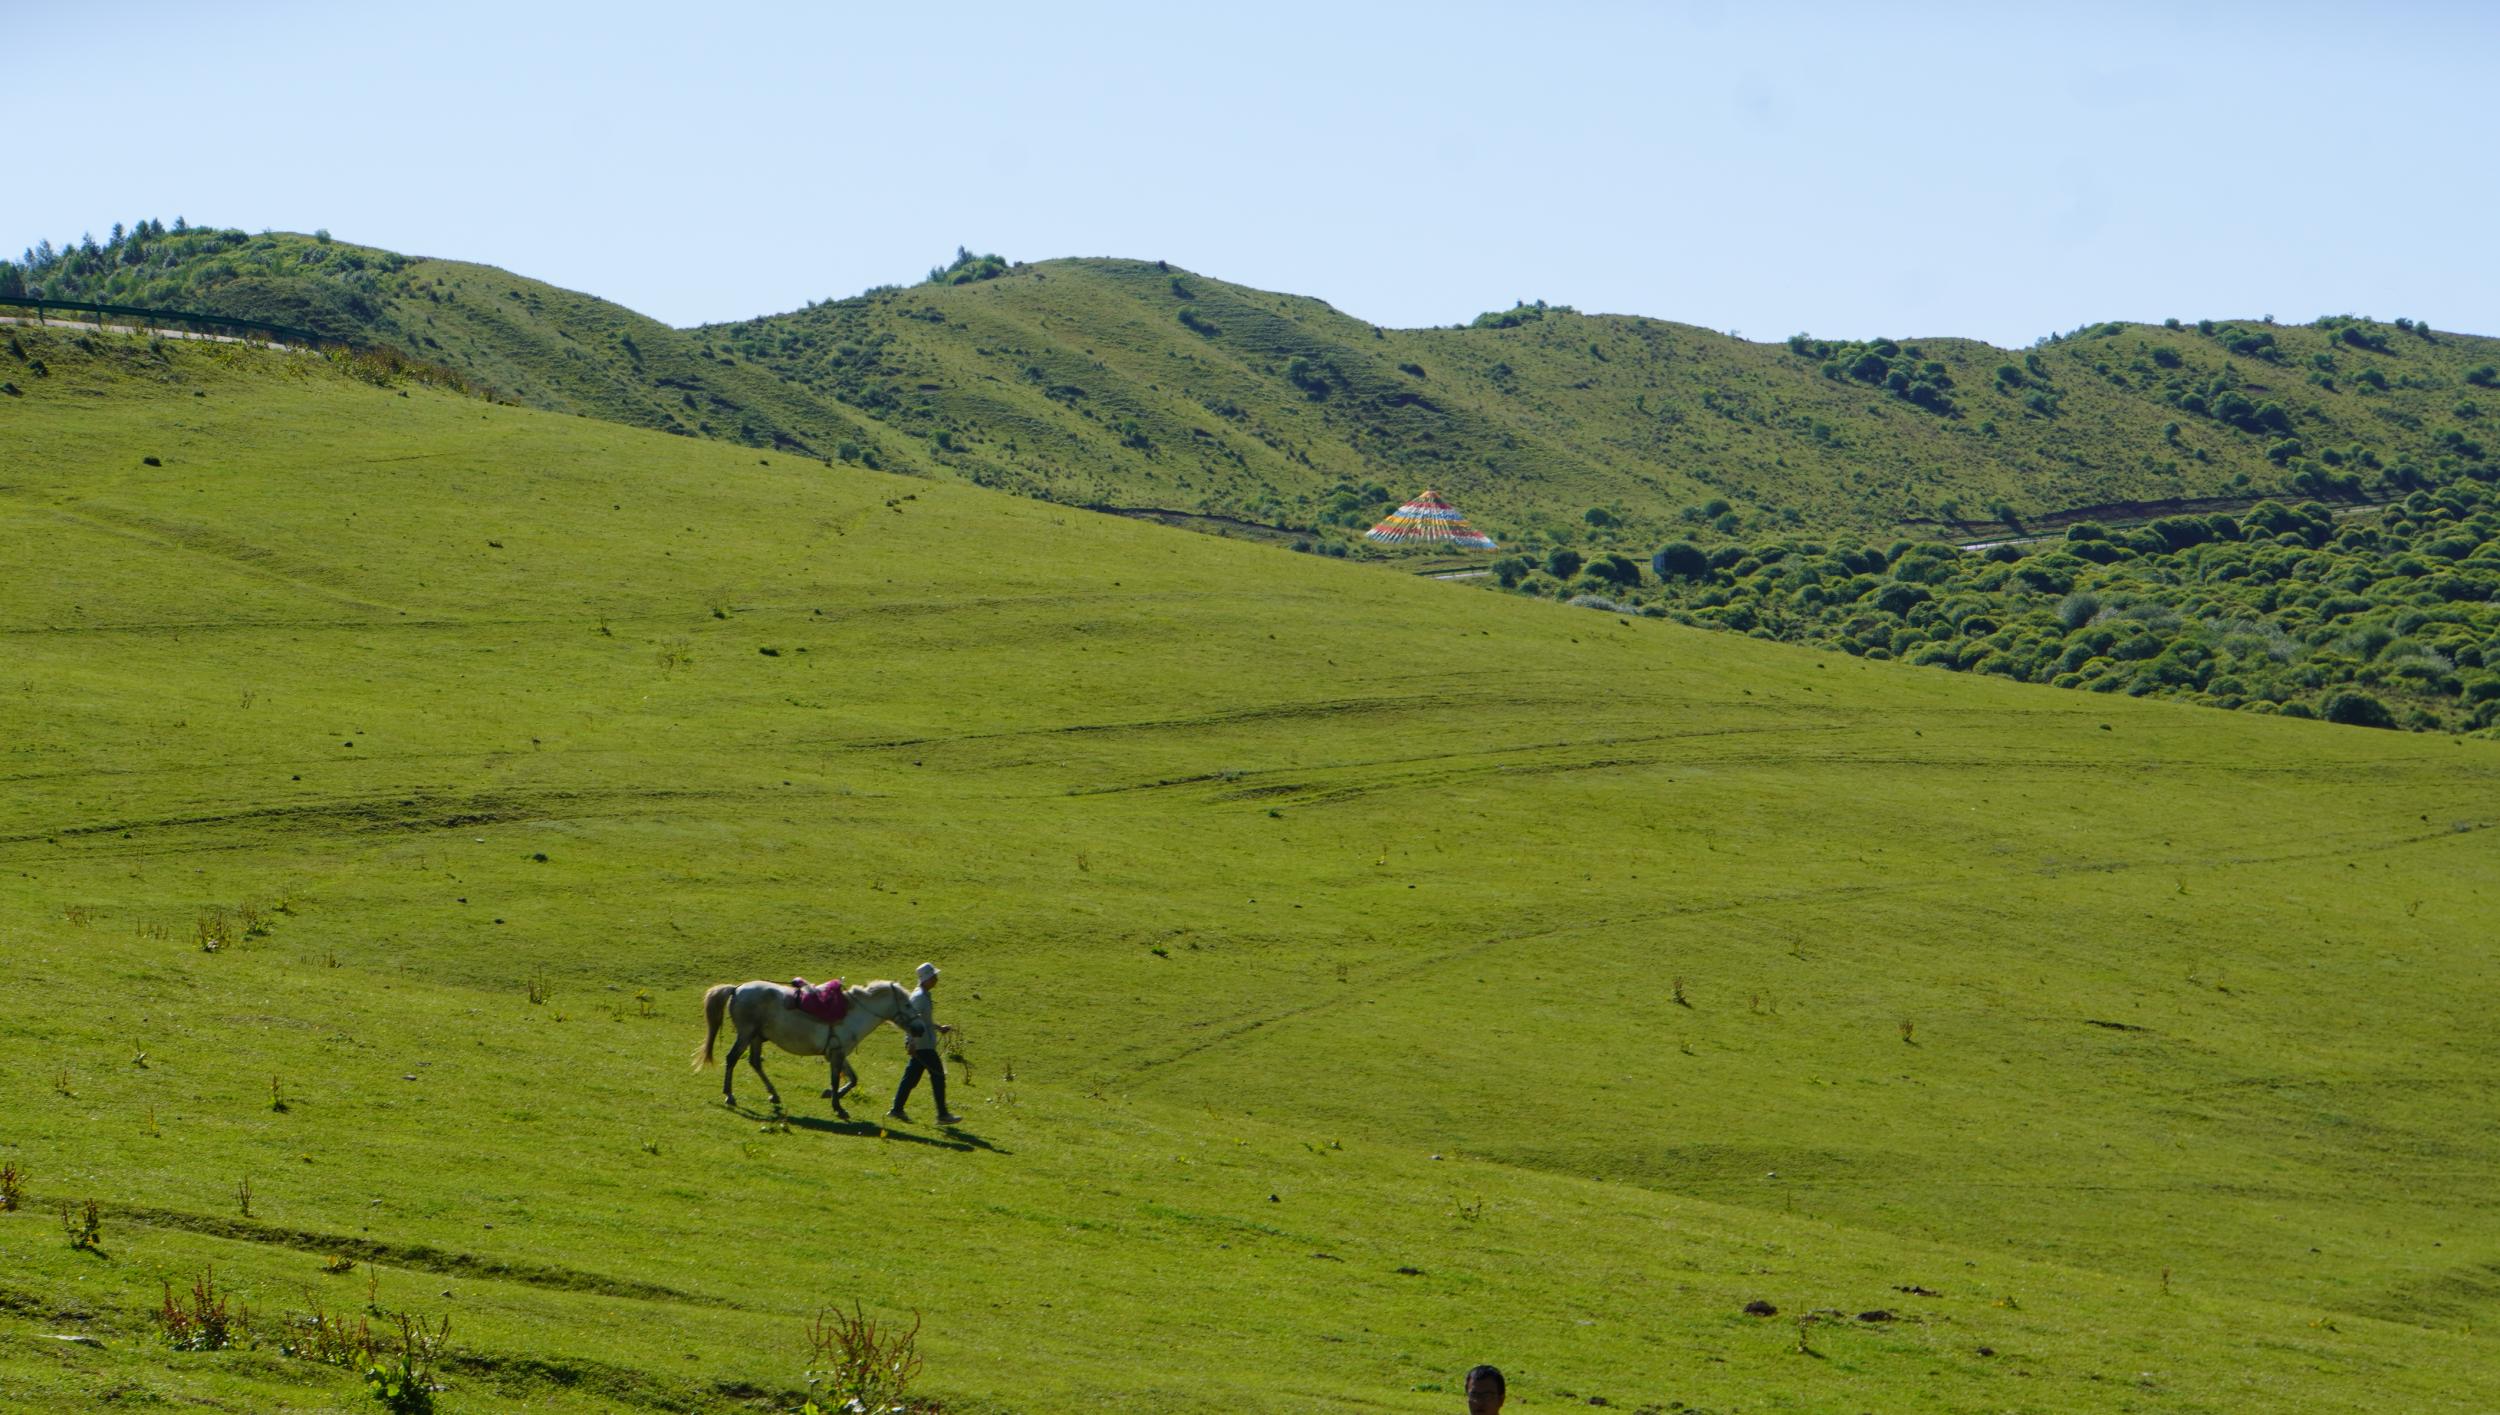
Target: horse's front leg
[{"x": 835, "y": 1064}]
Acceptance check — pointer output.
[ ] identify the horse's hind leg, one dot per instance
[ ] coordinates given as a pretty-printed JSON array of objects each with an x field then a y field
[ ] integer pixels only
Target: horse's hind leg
[
  {"x": 729, "y": 1070},
  {"x": 755, "y": 1058}
]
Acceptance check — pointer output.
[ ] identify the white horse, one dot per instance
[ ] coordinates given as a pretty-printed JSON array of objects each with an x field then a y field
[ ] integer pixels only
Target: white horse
[{"x": 760, "y": 1011}]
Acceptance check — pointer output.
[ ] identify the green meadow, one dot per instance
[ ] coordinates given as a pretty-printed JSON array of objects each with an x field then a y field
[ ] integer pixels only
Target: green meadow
[{"x": 1357, "y": 977}]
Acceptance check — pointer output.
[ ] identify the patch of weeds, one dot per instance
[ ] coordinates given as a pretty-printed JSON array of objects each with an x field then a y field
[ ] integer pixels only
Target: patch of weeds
[
  {"x": 85, "y": 1227},
  {"x": 402, "y": 1381},
  {"x": 536, "y": 989},
  {"x": 856, "y": 1364},
  {"x": 243, "y": 1196},
  {"x": 338, "y": 1265},
  {"x": 12, "y": 1188},
  {"x": 277, "y": 1098},
  {"x": 330, "y": 1338},
  {"x": 208, "y": 1322},
  {"x": 644, "y": 1002}
]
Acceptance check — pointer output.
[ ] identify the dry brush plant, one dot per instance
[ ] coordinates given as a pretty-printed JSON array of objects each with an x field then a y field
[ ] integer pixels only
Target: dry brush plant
[
  {"x": 208, "y": 1322},
  {"x": 857, "y": 1366}
]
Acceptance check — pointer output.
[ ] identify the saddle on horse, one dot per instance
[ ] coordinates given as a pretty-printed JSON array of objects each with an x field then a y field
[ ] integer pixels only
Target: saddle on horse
[{"x": 826, "y": 1002}]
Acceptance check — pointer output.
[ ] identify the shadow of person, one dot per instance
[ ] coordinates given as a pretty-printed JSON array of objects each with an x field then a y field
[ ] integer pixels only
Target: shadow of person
[{"x": 952, "y": 1139}]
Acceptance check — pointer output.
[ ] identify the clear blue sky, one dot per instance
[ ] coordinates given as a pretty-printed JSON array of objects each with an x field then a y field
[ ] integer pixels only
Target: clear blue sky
[{"x": 1997, "y": 170}]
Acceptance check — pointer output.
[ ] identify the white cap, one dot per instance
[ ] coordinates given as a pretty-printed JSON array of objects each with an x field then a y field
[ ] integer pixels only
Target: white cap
[{"x": 928, "y": 974}]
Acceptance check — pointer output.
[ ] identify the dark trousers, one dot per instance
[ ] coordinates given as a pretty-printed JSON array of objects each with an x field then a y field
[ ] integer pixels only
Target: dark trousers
[{"x": 923, "y": 1061}]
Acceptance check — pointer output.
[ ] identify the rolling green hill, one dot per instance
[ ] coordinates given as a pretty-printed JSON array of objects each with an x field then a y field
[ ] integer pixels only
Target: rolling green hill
[
  {"x": 1137, "y": 385},
  {"x": 1358, "y": 977},
  {"x": 525, "y": 340}
]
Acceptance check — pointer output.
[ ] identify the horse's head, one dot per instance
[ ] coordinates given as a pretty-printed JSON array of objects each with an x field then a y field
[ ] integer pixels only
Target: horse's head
[{"x": 893, "y": 1004}]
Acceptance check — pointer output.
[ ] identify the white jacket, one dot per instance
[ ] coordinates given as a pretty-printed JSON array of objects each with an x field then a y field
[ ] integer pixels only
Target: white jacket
[{"x": 923, "y": 1007}]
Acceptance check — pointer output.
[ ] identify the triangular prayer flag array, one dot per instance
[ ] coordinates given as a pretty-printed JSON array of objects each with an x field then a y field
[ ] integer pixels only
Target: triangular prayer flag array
[{"x": 1429, "y": 521}]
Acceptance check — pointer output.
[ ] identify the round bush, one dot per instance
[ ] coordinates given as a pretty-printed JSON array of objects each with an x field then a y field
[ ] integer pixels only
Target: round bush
[
  {"x": 1680, "y": 560},
  {"x": 2358, "y": 710}
]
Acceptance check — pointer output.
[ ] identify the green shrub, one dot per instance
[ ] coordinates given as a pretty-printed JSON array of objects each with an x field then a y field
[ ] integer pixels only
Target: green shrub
[
  {"x": 2355, "y": 709},
  {"x": 967, "y": 268},
  {"x": 1680, "y": 560},
  {"x": 1621, "y": 570}
]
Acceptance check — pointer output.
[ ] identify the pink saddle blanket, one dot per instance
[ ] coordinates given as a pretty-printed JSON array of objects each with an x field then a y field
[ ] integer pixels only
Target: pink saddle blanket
[{"x": 825, "y": 1003}]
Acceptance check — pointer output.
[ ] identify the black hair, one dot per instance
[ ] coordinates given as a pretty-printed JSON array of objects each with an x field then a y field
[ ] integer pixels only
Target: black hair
[{"x": 1490, "y": 1373}]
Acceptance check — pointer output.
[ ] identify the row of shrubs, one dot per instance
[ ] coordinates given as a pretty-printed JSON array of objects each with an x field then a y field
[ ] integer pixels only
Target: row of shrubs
[{"x": 2387, "y": 619}]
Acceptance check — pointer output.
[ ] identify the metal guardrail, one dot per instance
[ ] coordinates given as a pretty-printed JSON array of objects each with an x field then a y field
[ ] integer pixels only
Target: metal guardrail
[{"x": 191, "y": 320}]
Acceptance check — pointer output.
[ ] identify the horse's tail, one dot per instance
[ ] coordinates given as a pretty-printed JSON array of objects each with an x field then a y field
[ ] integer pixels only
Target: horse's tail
[{"x": 715, "y": 1004}]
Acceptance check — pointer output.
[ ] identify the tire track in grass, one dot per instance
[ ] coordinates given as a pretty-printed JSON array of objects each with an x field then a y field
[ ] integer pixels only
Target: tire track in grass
[
  {"x": 216, "y": 545},
  {"x": 1392, "y": 975},
  {"x": 519, "y": 1377},
  {"x": 419, "y": 1257},
  {"x": 394, "y": 813},
  {"x": 1396, "y": 973}
]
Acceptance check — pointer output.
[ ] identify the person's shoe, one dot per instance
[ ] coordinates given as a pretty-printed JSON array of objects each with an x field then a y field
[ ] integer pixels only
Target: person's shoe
[
  {"x": 950, "y": 1120},
  {"x": 896, "y": 1115}
]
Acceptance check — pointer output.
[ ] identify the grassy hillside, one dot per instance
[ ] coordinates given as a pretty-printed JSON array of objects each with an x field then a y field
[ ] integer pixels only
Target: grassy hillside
[
  {"x": 1134, "y": 383},
  {"x": 1358, "y": 977},
  {"x": 1138, "y": 385},
  {"x": 527, "y": 341}
]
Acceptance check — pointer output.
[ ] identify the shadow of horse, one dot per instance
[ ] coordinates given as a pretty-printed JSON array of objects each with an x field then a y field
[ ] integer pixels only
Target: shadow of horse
[{"x": 953, "y": 1139}]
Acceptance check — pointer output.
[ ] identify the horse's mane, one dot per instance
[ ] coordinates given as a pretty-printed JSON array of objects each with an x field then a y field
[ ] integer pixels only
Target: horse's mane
[{"x": 882, "y": 987}]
